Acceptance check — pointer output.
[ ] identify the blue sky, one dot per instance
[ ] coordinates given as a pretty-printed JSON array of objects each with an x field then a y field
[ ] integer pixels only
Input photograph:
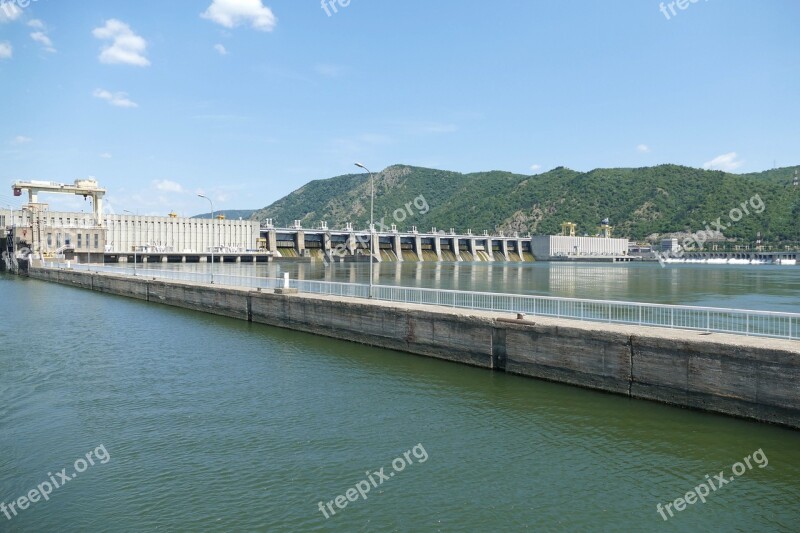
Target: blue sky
[{"x": 247, "y": 100}]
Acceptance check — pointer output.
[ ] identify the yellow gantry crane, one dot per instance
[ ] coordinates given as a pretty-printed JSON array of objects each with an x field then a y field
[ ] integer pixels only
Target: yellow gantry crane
[{"x": 568, "y": 229}]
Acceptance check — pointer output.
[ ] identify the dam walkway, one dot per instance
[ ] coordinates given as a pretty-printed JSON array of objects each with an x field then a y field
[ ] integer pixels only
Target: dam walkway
[{"x": 745, "y": 322}]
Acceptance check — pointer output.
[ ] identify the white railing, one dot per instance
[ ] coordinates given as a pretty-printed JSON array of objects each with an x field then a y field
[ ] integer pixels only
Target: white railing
[{"x": 707, "y": 319}]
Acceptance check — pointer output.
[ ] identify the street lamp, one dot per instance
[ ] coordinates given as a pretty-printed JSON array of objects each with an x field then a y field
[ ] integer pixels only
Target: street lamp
[
  {"x": 212, "y": 235},
  {"x": 134, "y": 244},
  {"x": 11, "y": 231},
  {"x": 371, "y": 224}
]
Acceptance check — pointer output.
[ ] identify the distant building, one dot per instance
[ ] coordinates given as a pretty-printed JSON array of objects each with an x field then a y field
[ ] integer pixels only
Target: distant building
[
  {"x": 670, "y": 245},
  {"x": 639, "y": 249}
]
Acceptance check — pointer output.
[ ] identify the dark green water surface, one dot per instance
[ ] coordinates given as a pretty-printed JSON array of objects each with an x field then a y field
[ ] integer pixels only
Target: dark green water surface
[{"x": 213, "y": 424}]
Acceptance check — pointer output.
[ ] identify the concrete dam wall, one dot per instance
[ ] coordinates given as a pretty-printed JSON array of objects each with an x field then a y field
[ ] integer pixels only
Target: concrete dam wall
[{"x": 755, "y": 378}]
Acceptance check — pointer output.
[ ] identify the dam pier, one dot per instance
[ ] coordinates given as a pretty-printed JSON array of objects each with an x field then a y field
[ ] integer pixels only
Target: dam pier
[{"x": 735, "y": 362}]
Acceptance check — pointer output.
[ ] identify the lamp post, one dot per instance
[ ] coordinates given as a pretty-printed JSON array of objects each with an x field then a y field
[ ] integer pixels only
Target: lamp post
[
  {"x": 10, "y": 233},
  {"x": 212, "y": 235},
  {"x": 134, "y": 244},
  {"x": 371, "y": 223}
]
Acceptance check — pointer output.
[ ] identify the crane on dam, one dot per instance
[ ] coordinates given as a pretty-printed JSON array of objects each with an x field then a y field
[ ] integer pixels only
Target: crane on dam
[{"x": 81, "y": 187}]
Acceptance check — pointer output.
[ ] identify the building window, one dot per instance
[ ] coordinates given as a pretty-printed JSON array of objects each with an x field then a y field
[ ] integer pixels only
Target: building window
[
  {"x": 58, "y": 240},
  {"x": 96, "y": 241},
  {"x": 67, "y": 239},
  {"x": 49, "y": 240},
  {"x": 80, "y": 241}
]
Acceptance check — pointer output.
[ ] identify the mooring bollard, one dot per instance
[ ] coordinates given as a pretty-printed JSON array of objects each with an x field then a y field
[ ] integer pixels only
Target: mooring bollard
[{"x": 285, "y": 289}]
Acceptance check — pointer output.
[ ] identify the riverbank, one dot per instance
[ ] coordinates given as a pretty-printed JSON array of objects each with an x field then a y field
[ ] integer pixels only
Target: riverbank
[{"x": 753, "y": 378}]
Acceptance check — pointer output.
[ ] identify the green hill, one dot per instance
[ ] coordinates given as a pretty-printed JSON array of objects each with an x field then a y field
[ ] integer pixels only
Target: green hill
[{"x": 640, "y": 202}]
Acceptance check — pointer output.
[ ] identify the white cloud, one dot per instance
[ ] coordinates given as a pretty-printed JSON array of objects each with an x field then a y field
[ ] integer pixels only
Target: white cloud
[
  {"x": 116, "y": 99},
  {"x": 41, "y": 38},
  {"x": 21, "y": 139},
  {"x": 643, "y": 148},
  {"x": 105, "y": 155},
  {"x": 168, "y": 186},
  {"x": 126, "y": 47},
  {"x": 36, "y": 24},
  {"x": 220, "y": 49},
  {"x": 6, "y": 50},
  {"x": 536, "y": 168},
  {"x": 232, "y": 13},
  {"x": 9, "y": 12},
  {"x": 727, "y": 162}
]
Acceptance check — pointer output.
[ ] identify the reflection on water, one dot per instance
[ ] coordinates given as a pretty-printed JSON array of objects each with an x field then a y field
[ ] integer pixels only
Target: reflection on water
[
  {"x": 574, "y": 280},
  {"x": 768, "y": 287}
]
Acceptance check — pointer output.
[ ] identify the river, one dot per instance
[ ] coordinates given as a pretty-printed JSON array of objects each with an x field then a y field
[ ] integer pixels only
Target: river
[{"x": 203, "y": 423}]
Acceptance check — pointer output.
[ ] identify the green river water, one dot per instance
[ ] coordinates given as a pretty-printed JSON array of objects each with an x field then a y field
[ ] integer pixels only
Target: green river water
[{"x": 202, "y": 423}]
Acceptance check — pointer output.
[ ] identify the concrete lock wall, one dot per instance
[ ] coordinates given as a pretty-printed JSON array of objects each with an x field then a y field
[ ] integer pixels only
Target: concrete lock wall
[{"x": 756, "y": 378}]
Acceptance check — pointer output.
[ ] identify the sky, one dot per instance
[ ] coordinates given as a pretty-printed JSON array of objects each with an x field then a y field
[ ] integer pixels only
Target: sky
[{"x": 247, "y": 100}]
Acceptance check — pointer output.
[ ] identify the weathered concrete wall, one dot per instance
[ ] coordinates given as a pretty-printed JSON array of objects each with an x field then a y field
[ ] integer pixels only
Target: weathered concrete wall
[
  {"x": 600, "y": 360},
  {"x": 751, "y": 379},
  {"x": 755, "y": 378},
  {"x": 452, "y": 337}
]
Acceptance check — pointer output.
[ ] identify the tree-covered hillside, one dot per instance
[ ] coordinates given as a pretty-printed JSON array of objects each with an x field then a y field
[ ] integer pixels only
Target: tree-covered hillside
[{"x": 640, "y": 202}]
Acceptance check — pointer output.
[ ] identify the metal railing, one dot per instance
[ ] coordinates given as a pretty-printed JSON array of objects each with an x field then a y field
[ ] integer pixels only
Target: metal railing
[{"x": 707, "y": 319}]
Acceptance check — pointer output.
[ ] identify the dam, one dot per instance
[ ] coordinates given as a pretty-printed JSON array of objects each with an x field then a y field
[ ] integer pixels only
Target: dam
[
  {"x": 348, "y": 244},
  {"x": 98, "y": 236},
  {"x": 149, "y": 239}
]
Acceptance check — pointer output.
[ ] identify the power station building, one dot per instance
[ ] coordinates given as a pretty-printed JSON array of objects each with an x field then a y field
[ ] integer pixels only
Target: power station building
[
  {"x": 548, "y": 247},
  {"x": 52, "y": 231},
  {"x": 568, "y": 246},
  {"x": 179, "y": 234}
]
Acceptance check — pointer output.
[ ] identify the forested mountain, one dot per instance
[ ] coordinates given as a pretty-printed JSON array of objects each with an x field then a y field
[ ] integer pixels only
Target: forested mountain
[{"x": 640, "y": 202}]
